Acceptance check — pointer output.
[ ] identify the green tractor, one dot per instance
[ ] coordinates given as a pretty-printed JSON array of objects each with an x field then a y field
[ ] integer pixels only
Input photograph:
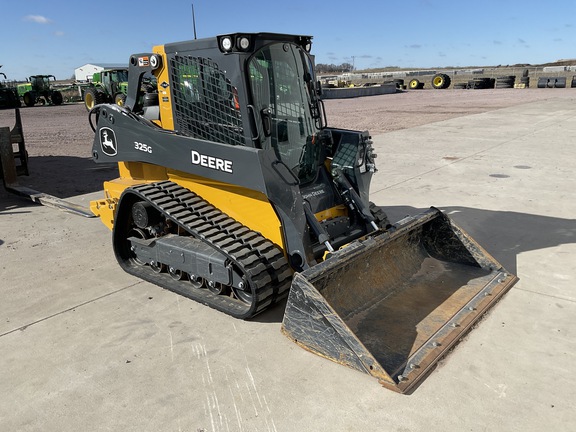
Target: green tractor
[
  {"x": 107, "y": 86},
  {"x": 37, "y": 89},
  {"x": 8, "y": 95}
]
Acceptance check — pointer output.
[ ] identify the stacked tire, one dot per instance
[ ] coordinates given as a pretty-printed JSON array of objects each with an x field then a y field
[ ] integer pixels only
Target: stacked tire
[
  {"x": 551, "y": 82},
  {"x": 481, "y": 83},
  {"x": 505, "y": 81}
]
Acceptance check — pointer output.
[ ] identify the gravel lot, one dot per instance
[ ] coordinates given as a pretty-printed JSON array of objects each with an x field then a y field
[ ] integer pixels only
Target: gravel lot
[
  {"x": 380, "y": 114},
  {"x": 59, "y": 138}
]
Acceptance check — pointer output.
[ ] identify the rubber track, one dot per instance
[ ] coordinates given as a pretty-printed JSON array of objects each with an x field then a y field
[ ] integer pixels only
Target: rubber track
[{"x": 261, "y": 261}]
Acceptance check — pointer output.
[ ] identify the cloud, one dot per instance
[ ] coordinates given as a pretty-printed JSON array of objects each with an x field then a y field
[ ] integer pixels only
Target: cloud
[
  {"x": 59, "y": 33},
  {"x": 497, "y": 42},
  {"x": 39, "y": 19},
  {"x": 523, "y": 43}
]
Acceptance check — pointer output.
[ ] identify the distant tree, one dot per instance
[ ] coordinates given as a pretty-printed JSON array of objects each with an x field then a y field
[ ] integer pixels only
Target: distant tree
[
  {"x": 347, "y": 67},
  {"x": 332, "y": 68}
]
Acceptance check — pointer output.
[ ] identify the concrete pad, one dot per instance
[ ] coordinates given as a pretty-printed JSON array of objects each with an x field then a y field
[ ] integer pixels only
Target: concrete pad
[{"x": 87, "y": 347}]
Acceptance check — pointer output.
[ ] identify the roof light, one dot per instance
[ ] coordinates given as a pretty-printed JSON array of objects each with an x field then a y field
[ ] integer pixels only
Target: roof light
[
  {"x": 226, "y": 43},
  {"x": 243, "y": 43}
]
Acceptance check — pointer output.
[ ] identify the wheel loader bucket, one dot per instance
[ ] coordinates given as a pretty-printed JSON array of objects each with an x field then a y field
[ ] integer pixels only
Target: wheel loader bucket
[{"x": 394, "y": 303}]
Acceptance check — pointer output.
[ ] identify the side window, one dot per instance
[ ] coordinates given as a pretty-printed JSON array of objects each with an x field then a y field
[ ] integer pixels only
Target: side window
[
  {"x": 205, "y": 102},
  {"x": 188, "y": 83}
]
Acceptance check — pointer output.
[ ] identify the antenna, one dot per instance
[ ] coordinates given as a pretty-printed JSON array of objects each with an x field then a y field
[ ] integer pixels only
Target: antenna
[{"x": 194, "y": 21}]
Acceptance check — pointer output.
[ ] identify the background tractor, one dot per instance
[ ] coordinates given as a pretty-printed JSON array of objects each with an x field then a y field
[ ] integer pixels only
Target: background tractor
[
  {"x": 107, "y": 86},
  {"x": 8, "y": 95},
  {"x": 38, "y": 89}
]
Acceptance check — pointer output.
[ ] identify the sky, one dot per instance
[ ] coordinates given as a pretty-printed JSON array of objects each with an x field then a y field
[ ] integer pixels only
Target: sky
[{"x": 53, "y": 37}]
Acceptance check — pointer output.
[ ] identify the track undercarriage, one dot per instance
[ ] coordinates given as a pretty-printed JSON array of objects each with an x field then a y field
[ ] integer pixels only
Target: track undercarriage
[{"x": 175, "y": 239}]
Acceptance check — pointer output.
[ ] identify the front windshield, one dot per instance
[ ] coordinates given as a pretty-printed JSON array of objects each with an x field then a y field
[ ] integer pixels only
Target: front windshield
[
  {"x": 41, "y": 82},
  {"x": 280, "y": 78},
  {"x": 120, "y": 76}
]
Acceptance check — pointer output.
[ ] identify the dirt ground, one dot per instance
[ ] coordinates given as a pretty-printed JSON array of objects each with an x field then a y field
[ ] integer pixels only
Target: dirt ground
[{"x": 59, "y": 138}]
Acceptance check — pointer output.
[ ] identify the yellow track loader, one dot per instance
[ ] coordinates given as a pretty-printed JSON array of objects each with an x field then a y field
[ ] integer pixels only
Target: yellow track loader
[{"x": 235, "y": 192}]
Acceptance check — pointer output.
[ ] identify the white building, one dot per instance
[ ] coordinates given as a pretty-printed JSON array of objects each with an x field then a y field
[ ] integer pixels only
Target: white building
[{"x": 84, "y": 73}]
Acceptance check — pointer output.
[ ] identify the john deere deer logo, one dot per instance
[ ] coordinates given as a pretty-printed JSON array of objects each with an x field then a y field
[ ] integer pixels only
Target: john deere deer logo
[{"x": 108, "y": 141}]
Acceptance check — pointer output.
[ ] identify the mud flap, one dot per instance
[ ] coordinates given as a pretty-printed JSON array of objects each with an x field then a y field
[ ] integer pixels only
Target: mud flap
[{"x": 393, "y": 304}]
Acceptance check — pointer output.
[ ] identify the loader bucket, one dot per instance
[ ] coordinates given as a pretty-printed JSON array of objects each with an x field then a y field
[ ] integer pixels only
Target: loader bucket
[{"x": 394, "y": 303}]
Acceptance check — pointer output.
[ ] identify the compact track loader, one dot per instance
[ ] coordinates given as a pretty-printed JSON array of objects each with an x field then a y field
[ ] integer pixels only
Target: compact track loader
[{"x": 234, "y": 192}]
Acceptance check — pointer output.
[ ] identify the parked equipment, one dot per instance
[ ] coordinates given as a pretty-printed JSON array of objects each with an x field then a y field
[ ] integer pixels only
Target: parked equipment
[
  {"x": 38, "y": 89},
  {"x": 8, "y": 94},
  {"x": 441, "y": 81},
  {"x": 415, "y": 84},
  {"x": 235, "y": 192},
  {"x": 13, "y": 154},
  {"x": 107, "y": 86}
]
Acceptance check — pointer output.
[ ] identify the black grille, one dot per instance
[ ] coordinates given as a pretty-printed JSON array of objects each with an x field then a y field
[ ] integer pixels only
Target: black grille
[{"x": 206, "y": 103}]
